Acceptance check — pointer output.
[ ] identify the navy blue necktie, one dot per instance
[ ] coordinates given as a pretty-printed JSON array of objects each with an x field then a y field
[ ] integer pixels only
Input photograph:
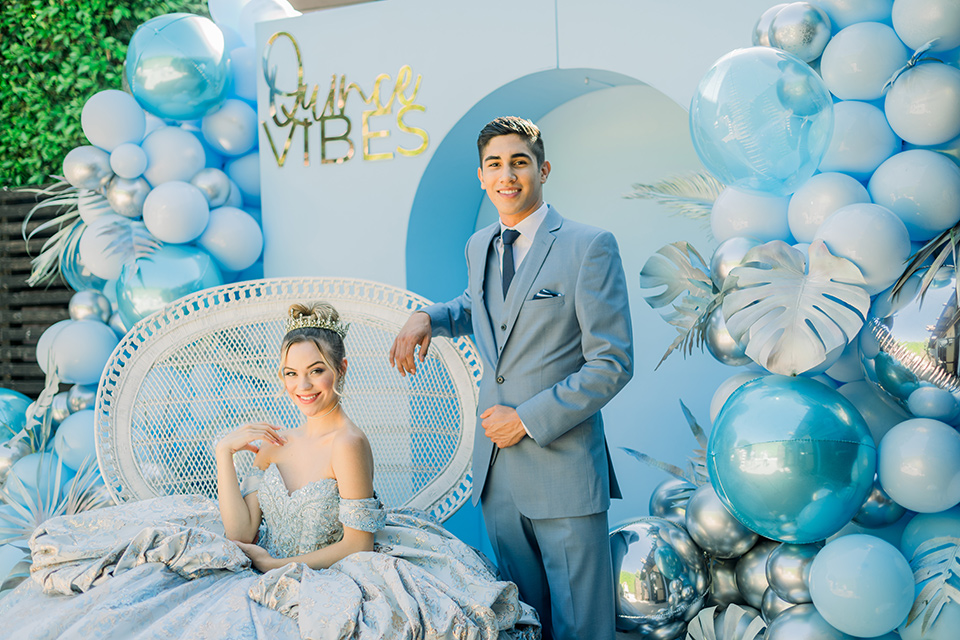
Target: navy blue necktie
[{"x": 509, "y": 236}]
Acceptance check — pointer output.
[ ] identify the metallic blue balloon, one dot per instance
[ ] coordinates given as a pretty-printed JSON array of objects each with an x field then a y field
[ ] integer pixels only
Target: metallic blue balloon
[
  {"x": 761, "y": 120},
  {"x": 791, "y": 458},
  {"x": 177, "y": 66},
  {"x": 171, "y": 272},
  {"x": 13, "y": 413}
]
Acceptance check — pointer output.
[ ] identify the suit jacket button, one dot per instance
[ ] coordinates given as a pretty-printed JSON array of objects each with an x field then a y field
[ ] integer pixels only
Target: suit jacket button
[
  {"x": 503, "y": 327},
  {"x": 499, "y": 379}
]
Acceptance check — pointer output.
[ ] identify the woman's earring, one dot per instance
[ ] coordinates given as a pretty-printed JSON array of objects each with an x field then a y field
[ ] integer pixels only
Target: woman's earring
[{"x": 340, "y": 385}]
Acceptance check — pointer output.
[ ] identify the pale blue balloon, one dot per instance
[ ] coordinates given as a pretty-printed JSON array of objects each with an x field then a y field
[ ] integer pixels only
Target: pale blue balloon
[
  {"x": 245, "y": 173},
  {"x": 926, "y": 526},
  {"x": 862, "y": 139},
  {"x": 176, "y": 212},
  {"x": 177, "y": 66},
  {"x": 37, "y": 472},
  {"x": 918, "y": 464},
  {"x": 74, "y": 441},
  {"x": 819, "y": 198},
  {"x": 919, "y": 22},
  {"x": 172, "y": 154},
  {"x": 761, "y": 119},
  {"x": 923, "y": 105},
  {"x": 81, "y": 350},
  {"x": 243, "y": 62},
  {"x": 46, "y": 342},
  {"x": 171, "y": 272},
  {"x": 111, "y": 118},
  {"x": 13, "y": 413},
  {"x": 920, "y": 187},
  {"x": 862, "y": 585},
  {"x": 233, "y": 238},
  {"x": 128, "y": 160},
  {"x": 761, "y": 216},
  {"x": 843, "y": 13},
  {"x": 928, "y": 401},
  {"x": 791, "y": 458},
  {"x": 858, "y": 61},
  {"x": 232, "y": 129}
]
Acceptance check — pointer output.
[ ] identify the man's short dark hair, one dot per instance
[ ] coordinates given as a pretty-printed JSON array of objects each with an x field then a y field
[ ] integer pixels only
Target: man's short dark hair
[{"x": 505, "y": 125}]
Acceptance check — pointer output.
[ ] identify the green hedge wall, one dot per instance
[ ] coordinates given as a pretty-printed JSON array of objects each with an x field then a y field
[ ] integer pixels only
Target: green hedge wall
[{"x": 54, "y": 55}]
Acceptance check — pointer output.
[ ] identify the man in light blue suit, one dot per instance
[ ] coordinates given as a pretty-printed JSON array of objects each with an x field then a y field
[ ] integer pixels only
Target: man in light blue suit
[{"x": 546, "y": 302}]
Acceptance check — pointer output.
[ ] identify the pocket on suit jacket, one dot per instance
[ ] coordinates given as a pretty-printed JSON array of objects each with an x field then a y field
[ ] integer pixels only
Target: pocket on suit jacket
[{"x": 539, "y": 303}]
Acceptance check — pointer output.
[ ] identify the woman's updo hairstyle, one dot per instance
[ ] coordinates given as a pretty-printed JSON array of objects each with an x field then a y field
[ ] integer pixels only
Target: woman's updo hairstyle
[{"x": 319, "y": 323}]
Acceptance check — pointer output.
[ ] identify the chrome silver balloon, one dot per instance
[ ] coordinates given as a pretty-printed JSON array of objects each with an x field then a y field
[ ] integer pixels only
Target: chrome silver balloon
[
  {"x": 10, "y": 452},
  {"x": 752, "y": 572},
  {"x": 788, "y": 570},
  {"x": 727, "y": 255},
  {"x": 669, "y": 500},
  {"x": 803, "y": 621},
  {"x": 773, "y": 605},
  {"x": 761, "y": 30},
  {"x": 60, "y": 407},
  {"x": 878, "y": 510},
  {"x": 214, "y": 184},
  {"x": 723, "y": 583},
  {"x": 81, "y": 396},
  {"x": 662, "y": 579},
  {"x": 87, "y": 167},
  {"x": 126, "y": 196},
  {"x": 908, "y": 343},
  {"x": 89, "y": 305},
  {"x": 721, "y": 344},
  {"x": 800, "y": 28},
  {"x": 714, "y": 528}
]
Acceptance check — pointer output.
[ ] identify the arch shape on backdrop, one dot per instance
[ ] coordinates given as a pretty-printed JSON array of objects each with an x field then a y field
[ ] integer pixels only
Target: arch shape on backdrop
[{"x": 448, "y": 199}]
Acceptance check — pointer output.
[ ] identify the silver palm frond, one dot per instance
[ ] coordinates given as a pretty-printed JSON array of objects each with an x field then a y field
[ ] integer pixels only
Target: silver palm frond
[
  {"x": 65, "y": 199},
  {"x": 696, "y": 472},
  {"x": 936, "y": 561},
  {"x": 691, "y": 195}
]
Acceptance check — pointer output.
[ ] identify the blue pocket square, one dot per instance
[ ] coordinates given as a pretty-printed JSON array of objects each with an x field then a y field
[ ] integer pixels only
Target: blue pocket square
[{"x": 546, "y": 293}]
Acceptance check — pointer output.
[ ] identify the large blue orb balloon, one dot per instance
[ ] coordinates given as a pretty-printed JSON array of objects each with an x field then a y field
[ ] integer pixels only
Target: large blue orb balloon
[
  {"x": 791, "y": 458},
  {"x": 172, "y": 271},
  {"x": 761, "y": 120},
  {"x": 177, "y": 66}
]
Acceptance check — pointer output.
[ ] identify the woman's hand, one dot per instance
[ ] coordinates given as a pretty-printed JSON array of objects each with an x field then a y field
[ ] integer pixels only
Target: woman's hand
[
  {"x": 262, "y": 560},
  {"x": 243, "y": 438}
]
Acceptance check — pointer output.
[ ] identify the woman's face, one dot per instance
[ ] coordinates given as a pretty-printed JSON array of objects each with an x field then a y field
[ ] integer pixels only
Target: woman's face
[{"x": 308, "y": 380}]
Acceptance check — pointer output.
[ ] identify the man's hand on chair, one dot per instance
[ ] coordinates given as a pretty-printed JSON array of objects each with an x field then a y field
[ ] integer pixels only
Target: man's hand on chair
[{"x": 416, "y": 331}]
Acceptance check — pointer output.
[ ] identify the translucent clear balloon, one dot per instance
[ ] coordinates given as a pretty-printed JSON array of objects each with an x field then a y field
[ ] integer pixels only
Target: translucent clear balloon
[
  {"x": 111, "y": 118},
  {"x": 176, "y": 212},
  {"x": 761, "y": 119},
  {"x": 87, "y": 167},
  {"x": 918, "y": 465},
  {"x": 769, "y": 438},
  {"x": 128, "y": 160},
  {"x": 880, "y": 254},
  {"x": 232, "y": 129},
  {"x": 738, "y": 213},
  {"x": 861, "y": 585},
  {"x": 171, "y": 272},
  {"x": 226, "y": 13},
  {"x": 81, "y": 350},
  {"x": 177, "y": 66},
  {"x": 843, "y": 13},
  {"x": 819, "y": 198},
  {"x": 172, "y": 154},
  {"x": 800, "y": 28},
  {"x": 859, "y": 60},
  {"x": 74, "y": 441},
  {"x": 918, "y": 22},
  {"x": 714, "y": 528},
  {"x": 862, "y": 139}
]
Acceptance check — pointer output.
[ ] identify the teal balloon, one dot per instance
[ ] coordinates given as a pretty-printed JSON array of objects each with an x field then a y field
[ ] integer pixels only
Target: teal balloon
[
  {"x": 177, "y": 66},
  {"x": 171, "y": 272},
  {"x": 791, "y": 458},
  {"x": 13, "y": 413},
  {"x": 761, "y": 119},
  {"x": 862, "y": 585}
]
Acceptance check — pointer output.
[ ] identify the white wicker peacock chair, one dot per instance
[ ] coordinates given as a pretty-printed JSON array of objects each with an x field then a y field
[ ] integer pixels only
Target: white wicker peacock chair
[{"x": 209, "y": 362}]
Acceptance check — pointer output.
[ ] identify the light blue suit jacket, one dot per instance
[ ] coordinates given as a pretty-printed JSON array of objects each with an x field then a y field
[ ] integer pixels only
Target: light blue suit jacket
[{"x": 558, "y": 361}]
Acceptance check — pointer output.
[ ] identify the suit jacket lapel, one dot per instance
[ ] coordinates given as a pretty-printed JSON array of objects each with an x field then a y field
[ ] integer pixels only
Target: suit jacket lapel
[
  {"x": 478, "y": 265},
  {"x": 530, "y": 267}
]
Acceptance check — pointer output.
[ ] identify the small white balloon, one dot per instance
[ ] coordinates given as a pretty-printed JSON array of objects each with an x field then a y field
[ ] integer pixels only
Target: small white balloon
[
  {"x": 918, "y": 22},
  {"x": 89, "y": 305},
  {"x": 922, "y": 188},
  {"x": 172, "y": 154},
  {"x": 87, "y": 167},
  {"x": 858, "y": 61},
  {"x": 741, "y": 213},
  {"x": 176, "y": 212},
  {"x": 128, "y": 160},
  {"x": 126, "y": 196},
  {"x": 818, "y": 198},
  {"x": 880, "y": 254},
  {"x": 232, "y": 129},
  {"x": 111, "y": 118},
  {"x": 862, "y": 139},
  {"x": 923, "y": 105},
  {"x": 233, "y": 238}
]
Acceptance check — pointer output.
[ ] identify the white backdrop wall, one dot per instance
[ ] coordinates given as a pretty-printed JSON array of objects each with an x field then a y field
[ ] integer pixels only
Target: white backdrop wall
[{"x": 608, "y": 82}]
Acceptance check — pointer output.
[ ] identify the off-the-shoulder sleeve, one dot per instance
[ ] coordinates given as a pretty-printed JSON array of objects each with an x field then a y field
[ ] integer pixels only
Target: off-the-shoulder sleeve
[
  {"x": 251, "y": 482},
  {"x": 366, "y": 514}
]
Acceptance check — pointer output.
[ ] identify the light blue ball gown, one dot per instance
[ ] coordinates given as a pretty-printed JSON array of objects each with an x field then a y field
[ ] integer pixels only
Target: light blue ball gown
[{"x": 162, "y": 568}]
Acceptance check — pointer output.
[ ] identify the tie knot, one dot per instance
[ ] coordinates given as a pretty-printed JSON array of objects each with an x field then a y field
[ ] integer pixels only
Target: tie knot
[{"x": 510, "y": 236}]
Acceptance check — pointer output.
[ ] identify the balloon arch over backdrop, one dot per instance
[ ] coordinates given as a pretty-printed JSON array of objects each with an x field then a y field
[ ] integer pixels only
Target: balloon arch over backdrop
[{"x": 823, "y": 503}]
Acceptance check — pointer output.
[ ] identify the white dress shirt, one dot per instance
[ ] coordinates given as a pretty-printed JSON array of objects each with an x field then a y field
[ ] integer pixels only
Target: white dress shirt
[{"x": 528, "y": 231}]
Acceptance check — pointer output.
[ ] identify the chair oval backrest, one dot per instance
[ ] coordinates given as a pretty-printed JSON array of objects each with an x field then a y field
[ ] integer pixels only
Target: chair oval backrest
[{"x": 209, "y": 362}]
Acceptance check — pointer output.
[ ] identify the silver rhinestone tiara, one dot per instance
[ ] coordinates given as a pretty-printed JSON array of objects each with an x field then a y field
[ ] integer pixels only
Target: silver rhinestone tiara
[{"x": 303, "y": 322}]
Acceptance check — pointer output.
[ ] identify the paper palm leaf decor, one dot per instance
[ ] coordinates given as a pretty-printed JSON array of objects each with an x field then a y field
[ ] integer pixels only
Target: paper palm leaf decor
[
  {"x": 696, "y": 472},
  {"x": 790, "y": 321},
  {"x": 688, "y": 291},
  {"x": 936, "y": 562},
  {"x": 691, "y": 196}
]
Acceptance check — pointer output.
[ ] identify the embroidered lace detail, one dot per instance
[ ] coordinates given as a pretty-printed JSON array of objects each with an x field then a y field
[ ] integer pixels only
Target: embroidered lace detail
[
  {"x": 364, "y": 515},
  {"x": 298, "y": 522}
]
